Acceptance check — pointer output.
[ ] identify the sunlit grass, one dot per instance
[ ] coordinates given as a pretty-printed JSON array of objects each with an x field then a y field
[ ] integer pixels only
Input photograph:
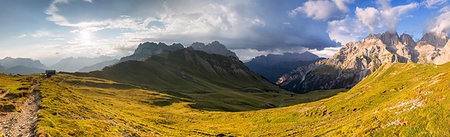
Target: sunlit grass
[{"x": 399, "y": 99}]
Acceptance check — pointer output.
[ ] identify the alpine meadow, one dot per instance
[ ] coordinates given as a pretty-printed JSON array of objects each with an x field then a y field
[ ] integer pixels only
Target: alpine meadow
[{"x": 113, "y": 68}]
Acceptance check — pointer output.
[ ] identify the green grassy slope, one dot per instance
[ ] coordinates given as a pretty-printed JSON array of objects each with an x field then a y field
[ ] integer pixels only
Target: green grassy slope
[
  {"x": 397, "y": 100},
  {"x": 212, "y": 81},
  {"x": 13, "y": 91}
]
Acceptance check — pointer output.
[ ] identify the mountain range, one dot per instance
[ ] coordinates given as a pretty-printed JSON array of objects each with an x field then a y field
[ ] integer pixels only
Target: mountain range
[
  {"x": 22, "y": 66},
  {"x": 273, "y": 66},
  {"x": 72, "y": 64},
  {"x": 98, "y": 66},
  {"x": 355, "y": 61}
]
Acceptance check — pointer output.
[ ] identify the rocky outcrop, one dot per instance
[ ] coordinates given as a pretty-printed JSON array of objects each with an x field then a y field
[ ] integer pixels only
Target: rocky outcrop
[
  {"x": 354, "y": 61},
  {"x": 432, "y": 48},
  {"x": 213, "y": 48},
  {"x": 148, "y": 49}
]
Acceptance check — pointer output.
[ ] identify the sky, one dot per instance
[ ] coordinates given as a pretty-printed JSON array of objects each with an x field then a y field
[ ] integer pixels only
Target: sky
[{"x": 50, "y": 30}]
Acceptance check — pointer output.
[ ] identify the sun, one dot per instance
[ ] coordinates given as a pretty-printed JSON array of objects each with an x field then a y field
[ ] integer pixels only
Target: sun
[{"x": 85, "y": 37}]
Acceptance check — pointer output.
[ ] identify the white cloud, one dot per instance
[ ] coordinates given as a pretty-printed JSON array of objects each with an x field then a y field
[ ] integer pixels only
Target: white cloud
[
  {"x": 22, "y": 36},
  {"x": 441, "y": 23},
  {"x": 433, "y": 3},
  {"x": 323, "y": 9},
  {"x": 42, "y": 33},
  {"x": 341, "y": 4},
  {"x": 390, "y": 15},
  {"x": 327, "y": 52},
  {"x": 258, "y": 22},
  {"x": 346, "y": 30},
  {"x": 385, "y": 16},
  {"x": 248, "y": 53},
  {"x": 90, "y": 1},
  {"x": 368, "y": 16}
]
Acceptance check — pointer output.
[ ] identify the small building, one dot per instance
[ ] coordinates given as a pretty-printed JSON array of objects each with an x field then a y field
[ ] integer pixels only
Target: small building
[{"x": 50, "y": 73}]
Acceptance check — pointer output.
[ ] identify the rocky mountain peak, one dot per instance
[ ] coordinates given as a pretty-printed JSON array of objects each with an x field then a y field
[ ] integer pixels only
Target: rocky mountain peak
[
  {"x": 373, "y": 36},
  {"x": 435, "y": 39},
  {"x": 407, "y": 40},
  {"x": 214, "y": 47},
  {"x": 390, "y": 38},
  {"x": 147, "y": 49}
]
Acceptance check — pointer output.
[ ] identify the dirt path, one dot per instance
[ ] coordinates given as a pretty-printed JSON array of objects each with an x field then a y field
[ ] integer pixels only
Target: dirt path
[
  {"x": 22, "y": 124},
  {"x": 4, "y": 93}
]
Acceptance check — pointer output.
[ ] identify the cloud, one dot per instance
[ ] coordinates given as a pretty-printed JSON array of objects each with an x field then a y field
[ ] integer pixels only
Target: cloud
[
  {"x": 22, "y": 36},
  {"x": 385, "y": 16},
  {"x": 433, "y": 3},
  {"x": 258, "y": 22},
  {"x": 368, "y": 16},
  {"x": 441, "y": 23},
  {"x": 323, "y": 9},
  {"x": 42, "y": 33},
  {"x": 326, "y": 52},
  {"x": 390, "y": 15},
  {"x": 246, "y": 54},
  {"x": 346, "y": 30},
  {"x": 236, "y": 24},
  {"x": 341, "y": 4}
]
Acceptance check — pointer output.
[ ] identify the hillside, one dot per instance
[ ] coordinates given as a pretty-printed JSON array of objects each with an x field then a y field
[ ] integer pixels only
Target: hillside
[
  {"x": 213, "y": 82},
  {"x": 401, "y": 99}
]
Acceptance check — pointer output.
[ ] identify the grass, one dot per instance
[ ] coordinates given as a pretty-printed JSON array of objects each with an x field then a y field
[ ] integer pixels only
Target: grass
[
  {"x": 397, "y": 100},
  {"x": 212, "y": 82},
  {"x": 18, "y": 91}
]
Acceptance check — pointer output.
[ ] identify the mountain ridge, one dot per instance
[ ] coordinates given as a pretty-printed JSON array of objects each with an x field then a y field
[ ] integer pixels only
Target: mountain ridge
[
  {"x": 354, "y": 61},
  {"x": 197, "y": 75},
  {"x": 274, "y": 66}
]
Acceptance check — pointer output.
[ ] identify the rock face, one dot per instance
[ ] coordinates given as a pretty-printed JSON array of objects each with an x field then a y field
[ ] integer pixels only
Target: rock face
[
  {"x": 433, "y": 48},
  {"x": 147, "y": 49},
  {"x": 213, "y": 48},
  {"x": 274, "y": 66},
  {"x": 354, "y": 61}
]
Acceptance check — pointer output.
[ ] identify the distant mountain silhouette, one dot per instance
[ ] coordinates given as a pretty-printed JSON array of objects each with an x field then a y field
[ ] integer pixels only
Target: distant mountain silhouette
[
  {"x": 99, "y": 66},
  {"x": 274, "y": 66},
  {"x": 72, "y": 64}
]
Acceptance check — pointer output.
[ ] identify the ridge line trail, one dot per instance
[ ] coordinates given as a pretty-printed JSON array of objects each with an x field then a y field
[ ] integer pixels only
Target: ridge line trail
[{"x": 22, "y": 123}]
